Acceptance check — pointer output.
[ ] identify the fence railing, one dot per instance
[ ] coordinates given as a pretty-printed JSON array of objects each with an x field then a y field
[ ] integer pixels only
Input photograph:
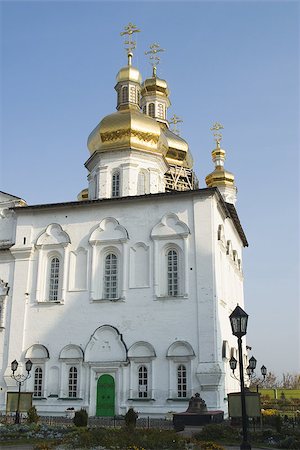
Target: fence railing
[{"x": 110, "y": 422}]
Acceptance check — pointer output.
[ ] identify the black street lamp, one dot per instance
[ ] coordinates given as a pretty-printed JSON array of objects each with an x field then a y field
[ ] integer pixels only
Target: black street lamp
[
  {"x": 20, "y": 379},
  {"x": 238, "y": 320}
]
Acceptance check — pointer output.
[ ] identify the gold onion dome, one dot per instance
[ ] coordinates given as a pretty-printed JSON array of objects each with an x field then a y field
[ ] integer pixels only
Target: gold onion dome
[
  {"x": 178, "y": 152},
  {"x": 155, "y": 85},
  {"x": 129, "y": 73},
  {"x": 220, "y": 176},
  {"x": 128, "y": 129}
]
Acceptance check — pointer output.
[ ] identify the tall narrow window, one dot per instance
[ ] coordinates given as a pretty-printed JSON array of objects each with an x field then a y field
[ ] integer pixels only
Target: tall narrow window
[
  {"x": 38, "y": 382},
  {"x": 172, "y": 265},
  {"x": 145, "y": 109},
  {"x": 73, "y": 380},
  {"x": 54, "y": 279},
  {"x": 143, "y": 382},
  {"x": 141, "y": 184},
  {"x": 116, "y": 185},
  {"x": 124, "y": 96},
  {"x": 111, "y": 276},
  {"x": 181, "y": 381},
  {"x": 160, "y": 111},
  {"x": 138, "y": 97},
  {"x": 151, "y": 110}
]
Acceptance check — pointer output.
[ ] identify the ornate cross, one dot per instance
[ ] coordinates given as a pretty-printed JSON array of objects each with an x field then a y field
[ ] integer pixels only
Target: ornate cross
[
  {"x": 217, "y": 134},
  {"x": 128, "y": 31},
  {"x": 153, "y": 58},
  {"x": 175, "y": 120}
]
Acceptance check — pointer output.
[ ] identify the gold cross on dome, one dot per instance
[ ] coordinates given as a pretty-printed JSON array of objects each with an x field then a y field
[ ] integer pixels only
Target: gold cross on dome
[
  {"x": 175, "y": 120},
  {"x": 130, "y": 44},
  {"x": 217, "y": 134},
  {"x": 154, "y": 49}
]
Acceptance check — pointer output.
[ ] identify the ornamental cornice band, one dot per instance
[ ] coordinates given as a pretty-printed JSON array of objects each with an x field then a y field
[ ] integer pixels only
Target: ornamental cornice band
[{"x": 120, "y": 134}]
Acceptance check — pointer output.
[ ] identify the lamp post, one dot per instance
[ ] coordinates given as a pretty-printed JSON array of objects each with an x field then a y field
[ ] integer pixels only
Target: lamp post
[
  {"x": 20, "y": 379},
  {"x": 238, "y": 320}
]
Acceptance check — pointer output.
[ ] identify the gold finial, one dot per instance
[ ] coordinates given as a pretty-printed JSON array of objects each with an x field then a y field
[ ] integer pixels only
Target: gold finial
[
  {"x": 175, "y": 120},
  {"x": 218, "y": 136},
  {"x": 154, "y": 59},
  {"x": 130, "y": 44}
]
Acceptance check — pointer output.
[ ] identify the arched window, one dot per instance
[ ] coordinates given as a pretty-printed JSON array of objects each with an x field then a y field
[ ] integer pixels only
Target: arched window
[
  {"x": 172, "y": 271},
  {"x": 145, "y": 109},
  {"x": 124, "y": 96},
  {"x": 160, "y": 111},
  {"x": 54, "y": 279},
  {"x": 115, "y": 189},
  {"x": 143, "y": 382},
  {"x": 181, "y": 381},
  {"x": 141, "y": 183},
  {"x": 111, "y": 276},
  {"x": 38, "y": 382},
  {"x": 132, "y": 94},
  {"x": 73, "y": 379},
  {"x": 151, "y": 110}
]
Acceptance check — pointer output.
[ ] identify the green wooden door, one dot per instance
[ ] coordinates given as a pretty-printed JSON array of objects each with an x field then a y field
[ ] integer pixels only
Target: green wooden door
[{"x": 105, "y": 396}]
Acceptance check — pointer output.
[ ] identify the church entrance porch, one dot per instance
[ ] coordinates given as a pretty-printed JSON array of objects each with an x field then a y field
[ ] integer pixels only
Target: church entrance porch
[{"x": 105, "y": 405}]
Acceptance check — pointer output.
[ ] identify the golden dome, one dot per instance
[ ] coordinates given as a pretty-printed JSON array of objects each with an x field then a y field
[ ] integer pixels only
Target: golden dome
[
  {"x": 155, "y": 84},
  {"x": 220, "y": 177},
  {"x": 129, "y": 73},
  {"x": 128, "y": 129},
  {"x": 178, "y": 152}
]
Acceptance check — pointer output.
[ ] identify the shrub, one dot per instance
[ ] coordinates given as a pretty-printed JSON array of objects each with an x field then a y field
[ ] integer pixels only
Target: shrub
[
  {"x": 32, "y": 415},
  {"x": 81, "y": 418},
  {"x": 208, "y": 445},
  {"x": 131, "y": 418},
  {"x": 217, "y": 431}
]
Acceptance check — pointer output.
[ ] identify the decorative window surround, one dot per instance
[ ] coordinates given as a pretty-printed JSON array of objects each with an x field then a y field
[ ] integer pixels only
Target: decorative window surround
[
  {"x": 108, "y": 237},
  {"x": 52, "y": 243},
  {"x": 141, "y": 354},
  {"x": 179, "y": 353},
  {"x": 175, "y": 232},
  {"x": 4, "y": 289}
]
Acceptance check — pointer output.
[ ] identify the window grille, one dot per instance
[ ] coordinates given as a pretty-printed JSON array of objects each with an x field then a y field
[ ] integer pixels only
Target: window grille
[
  {"x": 116, "y": 185},
  {"x": 73, "y": 379},
  {"x": 181, "y": 381},
  {"x": 54, "y": 279},
  {"x": 124, "y": 96},
  {"x": 143, "y": 382},
  {"x": 172, "y": 261},
  {"x": 145, "y": 109},
  {"x": 151, "y": 110},
  {"x": 141, "y": 184},
  {"x": 38, "y": 382},
  {"x": 111, "y": 276}
]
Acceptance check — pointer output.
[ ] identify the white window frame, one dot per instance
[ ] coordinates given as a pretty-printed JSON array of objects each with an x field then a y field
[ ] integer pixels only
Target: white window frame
[
  {"x": 173, "y": 271},
  {"x": 38, "y": 382},
  {"x": 111, "y": 276},
  {"x": 116, "y": 184},
  {"x": 182, "y": 382},
  {"x": 143, "y": 381},
  {"x": 54, "y": 280},
  {"x": 73, "y": 381}
]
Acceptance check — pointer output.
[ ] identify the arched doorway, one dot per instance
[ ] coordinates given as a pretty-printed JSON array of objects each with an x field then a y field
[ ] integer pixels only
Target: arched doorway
[{"x": 105, "y": 406}]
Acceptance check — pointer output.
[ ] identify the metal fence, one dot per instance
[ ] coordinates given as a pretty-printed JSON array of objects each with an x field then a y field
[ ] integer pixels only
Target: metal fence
[{"x": 109, "y": 422}]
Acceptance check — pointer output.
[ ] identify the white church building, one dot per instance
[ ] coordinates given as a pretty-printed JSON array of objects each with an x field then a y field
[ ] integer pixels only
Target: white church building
[{"x": 122, "y": 298}]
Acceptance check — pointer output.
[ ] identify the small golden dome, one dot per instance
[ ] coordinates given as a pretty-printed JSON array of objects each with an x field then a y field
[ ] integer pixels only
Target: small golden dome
[
  {"x": 128, "y": 129},
  {"x": 129, "y": 73},
  {"x": 220, "y": 177},
  {"x": 178, "y": 152},
  {"x": 155, "y": 84}
]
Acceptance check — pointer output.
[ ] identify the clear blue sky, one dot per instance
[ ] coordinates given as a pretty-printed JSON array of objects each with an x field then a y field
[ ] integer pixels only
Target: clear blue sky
[{"x": 233, "y": 62}]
